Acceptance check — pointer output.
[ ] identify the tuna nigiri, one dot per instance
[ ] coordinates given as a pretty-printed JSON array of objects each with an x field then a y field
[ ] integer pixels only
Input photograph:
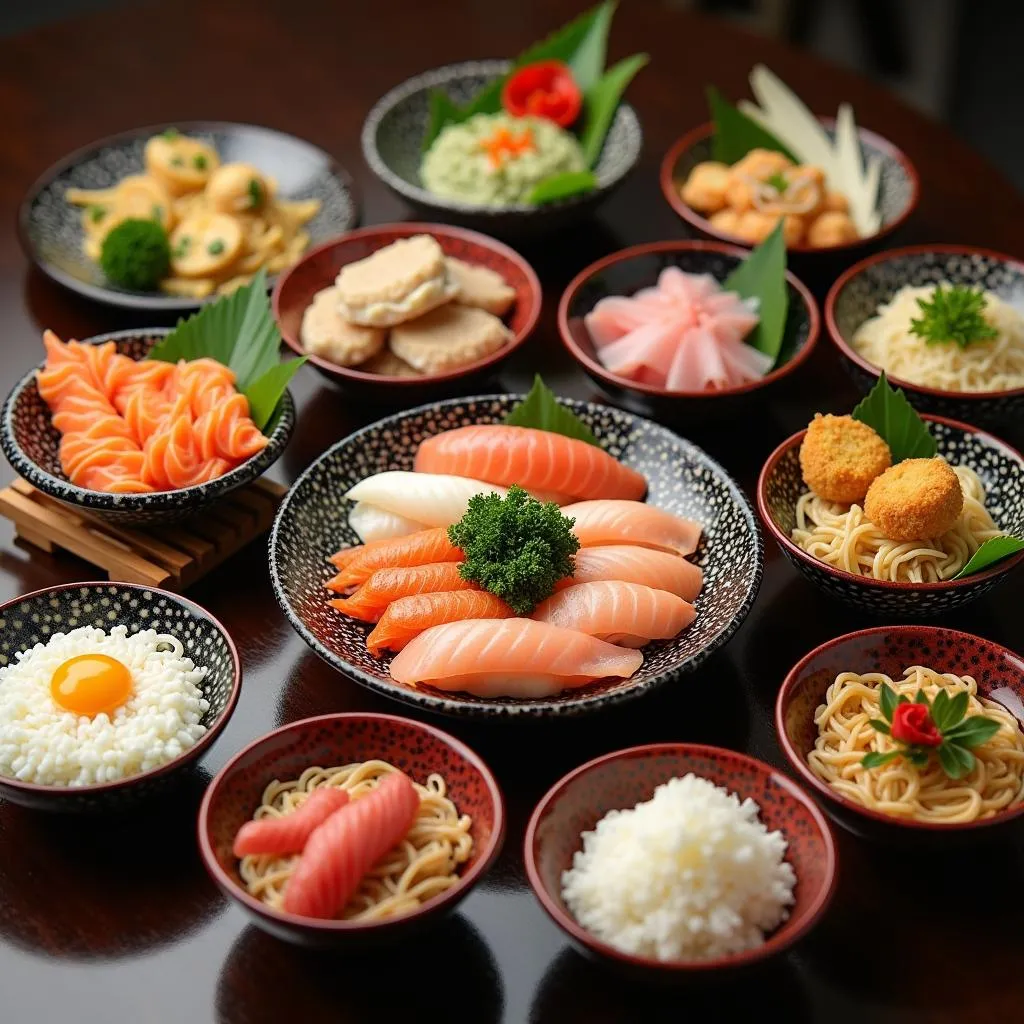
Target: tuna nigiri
[
  {"x": 409, "y": 616},
  {"x": 534, "y": 459},
  {"x": 430, "y": 499},
  {"x": 632, "y": 564},
  {"x": 344, "y": 848},
  {"x": 387, "y": 585},
  {"x": 509, "y": 658},
  {"x": 289, "y": 833},
  {"x": 621, "y": 613},
  {"x": 416, "y": 549},
  {"x": 632, "y": 522}
]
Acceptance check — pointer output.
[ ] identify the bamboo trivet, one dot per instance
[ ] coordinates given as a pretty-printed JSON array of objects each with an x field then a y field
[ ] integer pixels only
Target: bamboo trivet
[{"x": 172, "y": 556}]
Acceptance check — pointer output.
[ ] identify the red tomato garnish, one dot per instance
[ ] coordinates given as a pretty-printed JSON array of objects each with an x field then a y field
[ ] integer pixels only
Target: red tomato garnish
[{"x": 545, "y": 89}]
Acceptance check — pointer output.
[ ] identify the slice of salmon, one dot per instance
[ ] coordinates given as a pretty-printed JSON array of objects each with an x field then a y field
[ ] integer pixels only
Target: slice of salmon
[
  {"x": 631, "y": 563},
  {"x": 421, "y": 548},
  {"x": 386, "y": 585},
  {"x": 632, "y": 522},
  {"x": 409, "y": 616}
]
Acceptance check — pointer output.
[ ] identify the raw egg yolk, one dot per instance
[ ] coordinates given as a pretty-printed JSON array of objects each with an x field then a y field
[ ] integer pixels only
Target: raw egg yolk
[{"x": 91, "y": 684}]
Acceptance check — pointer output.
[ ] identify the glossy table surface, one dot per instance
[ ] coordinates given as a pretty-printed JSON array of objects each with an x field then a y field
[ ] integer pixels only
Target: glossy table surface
[{"x": 111, "y": 920}]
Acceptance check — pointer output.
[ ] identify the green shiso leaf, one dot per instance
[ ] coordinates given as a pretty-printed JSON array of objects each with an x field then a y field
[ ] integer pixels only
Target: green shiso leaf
[
  {"x": 876, "y": 760},
  {"x": 973, "y": 731},
  {"x": 238, "y": 331},
  {"x": 541, "y": 410},
  {"x": 940, "y": 709},
  {"x": 887, "y": 411},
  {"x": 602, "y": 100},
  {"x": 880, "y": 726},
  {"x": 587, "y": 58},
  {"x": 956, "y": 761},
  {"x": 442, "y": 112},
  {"x": 559, "y": 186},
  {"x": 887, "y": 701},
  {"x": 762, "y": 275},
  {"x": 736, "y": 134},
  {"x": 995, "y": 549}
]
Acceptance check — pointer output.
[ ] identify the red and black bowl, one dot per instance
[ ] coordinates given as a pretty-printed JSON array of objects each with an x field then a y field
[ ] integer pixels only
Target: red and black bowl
[
  {"x": 414, "y": 747},
  {"x": 998, "y": 672}
]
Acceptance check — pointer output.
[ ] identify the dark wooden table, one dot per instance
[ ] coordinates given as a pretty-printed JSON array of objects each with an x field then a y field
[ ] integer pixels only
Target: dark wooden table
[{"x": 105, "y": 921}]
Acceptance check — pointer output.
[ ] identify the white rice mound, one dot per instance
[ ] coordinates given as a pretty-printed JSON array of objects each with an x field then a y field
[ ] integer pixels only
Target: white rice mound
[
  {"x": 691, "y": 874},
  {"x": 43, "y": 743}
]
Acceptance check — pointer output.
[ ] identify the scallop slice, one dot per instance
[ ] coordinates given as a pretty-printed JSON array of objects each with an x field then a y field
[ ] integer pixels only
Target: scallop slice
[
  {"x": 143, "y": 197},
  {"x": 205, "y": 244},
  {"x": 181, "y": 163},
  {"x": 239, "y": 188}
]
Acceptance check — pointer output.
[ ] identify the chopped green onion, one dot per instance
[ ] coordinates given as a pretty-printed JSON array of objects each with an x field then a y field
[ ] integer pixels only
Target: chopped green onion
[
  {"x": 177, "y": 161},
  {"x": 255, "y": 192},
  {"x": 182, "y": 247},
  {"x": 216, "y": 247},
  {"x": 96, "y": 213},
  {"x": 199, "y": 162},
  {"x": 170, "y": 133}
]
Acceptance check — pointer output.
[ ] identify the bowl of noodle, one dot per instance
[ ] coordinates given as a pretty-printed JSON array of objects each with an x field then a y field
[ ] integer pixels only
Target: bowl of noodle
[
  {"x": 840, "y": 550},
  {"x": 454, "y": 839},
  {"x": 822, "y": 715},
  {"x": 870, "y": 313}
]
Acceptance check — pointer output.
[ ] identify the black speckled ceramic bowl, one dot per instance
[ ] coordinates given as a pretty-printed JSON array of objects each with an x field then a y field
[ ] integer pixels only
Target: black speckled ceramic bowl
[
  {"x": 393, "y": 138},
  {"x": 34, "y": 618},
  {"x": 31, "y": 443},
  {"x": 1001, "y": 469},
  {"x": 625, "y": 273},
  {"x": 312, "y": 524},
  {"x": 856, "y": 296},
  {"x": 50, "y": 228}
]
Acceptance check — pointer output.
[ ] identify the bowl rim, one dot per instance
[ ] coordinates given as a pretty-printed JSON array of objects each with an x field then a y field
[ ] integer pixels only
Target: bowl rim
[
  {"x": 848, "y": 275},
  {"x": 799, "y": 763},
  {"x": 434, "y": 77},
  {"x": 793, "y": 550},
  {"x": 436, "y": 903},
  {"x": 151, "y": 501},
  {"x": 681, "y": 246},
  {"x": 407, "y": 229},
  {"x": 777, "y": 942},
  {"x": 193, "y": 753},
  {"x": 482, "y": 707},
  {"x": 666, "y": 177},
  {"x": 147, "y": 300}
]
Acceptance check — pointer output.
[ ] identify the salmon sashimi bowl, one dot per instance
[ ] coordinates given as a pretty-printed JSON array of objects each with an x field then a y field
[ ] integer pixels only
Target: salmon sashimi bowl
[{"x": 510, "y": 554}]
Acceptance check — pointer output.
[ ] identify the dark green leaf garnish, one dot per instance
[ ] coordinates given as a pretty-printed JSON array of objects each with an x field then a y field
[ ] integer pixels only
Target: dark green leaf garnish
[
  {"x": 887, "y": 411},
  {"x": 954, "y": 314},
  {"x": 877, "y": 723},
  {"x": 876, "y": 760},
  {"x": 560, "y": 186},
  {"x": 762, "y": 275},
  {"x": 973, "y": 731},
  {"x": 601, "y": 101},
  {"x": 887, "y": 700},
  {"x": 541, "y": 410},
  {"x": 995, "y": 549},
  {"x": 736, "y": 134}
]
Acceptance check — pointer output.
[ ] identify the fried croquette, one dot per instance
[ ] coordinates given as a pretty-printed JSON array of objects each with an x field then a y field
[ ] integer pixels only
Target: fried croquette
[
  {"x": 840, "y": 456},
  {"x": 915, "y": 500}
]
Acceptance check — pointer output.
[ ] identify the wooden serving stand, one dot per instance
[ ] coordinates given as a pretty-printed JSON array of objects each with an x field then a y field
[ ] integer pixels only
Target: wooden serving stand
[{"x": 171, "y": 556}]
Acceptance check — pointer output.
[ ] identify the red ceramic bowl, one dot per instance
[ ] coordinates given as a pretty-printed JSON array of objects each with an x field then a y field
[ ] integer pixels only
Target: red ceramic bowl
[
  {"x": 899, "y": 189},
  {"x": 319, "y": 267},
  {"x": 414, "y": 747},
  {"x": 891, "y": 649},
  {"x": 621, "y": 780},
  {"x": 626, "y": 272}
]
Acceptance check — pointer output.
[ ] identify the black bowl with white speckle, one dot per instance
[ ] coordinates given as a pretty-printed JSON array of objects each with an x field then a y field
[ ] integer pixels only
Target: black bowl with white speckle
[
  {"x": 34, "y": 618},
  {"x": 312, "y": 523},
  {"x": 856, "y": 296},
  {"x": 393, "y": 147},
  {"x": 50, "y": 228},
  {"x": 31, "y": 444},
  {"x": 1001, "y": 469}
]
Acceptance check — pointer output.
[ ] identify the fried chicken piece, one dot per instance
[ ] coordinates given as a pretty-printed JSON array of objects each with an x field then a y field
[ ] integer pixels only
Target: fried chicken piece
[
  {"x": 840, "y": 456},
  {"x": 918, "y": 499}
]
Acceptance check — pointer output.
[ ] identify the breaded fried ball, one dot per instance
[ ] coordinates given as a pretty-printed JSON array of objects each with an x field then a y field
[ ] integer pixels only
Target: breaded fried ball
[
  {"x": 840, "y": 456},
  {"x": 917, "y": 499}
]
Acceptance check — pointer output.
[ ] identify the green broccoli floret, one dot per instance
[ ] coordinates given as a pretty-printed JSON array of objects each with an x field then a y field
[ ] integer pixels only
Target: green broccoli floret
[
  {"x": 516, "y": 547},
  {"x": 136, "y": 255}
]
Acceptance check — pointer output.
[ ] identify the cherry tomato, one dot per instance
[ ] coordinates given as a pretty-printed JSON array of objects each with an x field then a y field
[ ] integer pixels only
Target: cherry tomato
[{"x": 545, "y": 89}]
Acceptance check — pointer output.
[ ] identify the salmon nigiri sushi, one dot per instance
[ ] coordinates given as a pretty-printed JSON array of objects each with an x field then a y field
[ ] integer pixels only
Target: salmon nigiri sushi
[
  {"x": 632, "y": 522},
  {"x": 401, "y": 552},
  {"x": 409, "y": 616},
  {"x": 621, "y": 613},
  {"x": 386, "y": 585},
  {"x": 537, "y": 460},
  {"x": 633, "y": 564},
  {"x": 289, "y": 833},
  {"x": 510, "y": 658}
]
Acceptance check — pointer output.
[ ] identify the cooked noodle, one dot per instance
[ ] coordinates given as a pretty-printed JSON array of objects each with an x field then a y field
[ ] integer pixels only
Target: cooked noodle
[
  {"x": 899, "y": 788},
  {"x": 842, "y": 536},
  {"x": 423, "y": 865},
  {"x": 885, "y": 340}
]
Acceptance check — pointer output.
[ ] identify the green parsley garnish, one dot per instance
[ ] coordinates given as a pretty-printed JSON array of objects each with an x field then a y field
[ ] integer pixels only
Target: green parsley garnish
[
  {"x": 516, "y": 547},
  {"x": 96, "y": 213},
  {"x": 954, "y": 314},
  {"x": 170, "y": 134},
  {"x": 777, "y": 182},
  {"x": 181, "y": 249},
  {"x": 255, "y": 193},
  {"x": 216, "y": 247},
  {"x": 199, "y": 162}
]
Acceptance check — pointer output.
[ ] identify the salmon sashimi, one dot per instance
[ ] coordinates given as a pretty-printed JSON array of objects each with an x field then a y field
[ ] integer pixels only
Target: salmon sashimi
[
  {"x": 386, "y": 585},
  {"x": 627, "y": 614},
  {"x": 344, "y": 848},
  {"x": 509, "y": 658},
  {"x": 409, "y": 616},
  {"x": 345, "y": 556},
  {"x": 430, "y": 499},
  {"x": 289, "y": 833},
  {"x": 421, "y": 548},
  {"x": 632, "y": 522},
  {"x": 534, "y": 459},
  {"x": 633, "y": 564}
]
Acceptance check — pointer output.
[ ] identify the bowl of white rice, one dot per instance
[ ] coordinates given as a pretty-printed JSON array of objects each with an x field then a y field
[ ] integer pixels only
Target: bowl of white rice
[
  {"x": 674, "y": 858},
  {"x": 107, "y": 692}
]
